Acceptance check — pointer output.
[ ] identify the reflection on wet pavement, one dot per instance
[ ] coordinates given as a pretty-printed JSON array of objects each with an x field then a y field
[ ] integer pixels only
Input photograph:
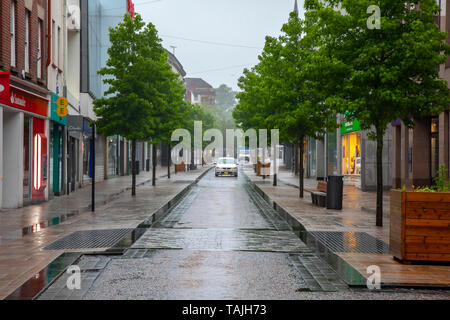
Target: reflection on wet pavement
[{"x": 222, "y": 241}]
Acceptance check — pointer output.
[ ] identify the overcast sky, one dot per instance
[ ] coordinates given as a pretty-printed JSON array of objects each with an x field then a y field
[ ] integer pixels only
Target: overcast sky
[{"x": 240, "y": 24}]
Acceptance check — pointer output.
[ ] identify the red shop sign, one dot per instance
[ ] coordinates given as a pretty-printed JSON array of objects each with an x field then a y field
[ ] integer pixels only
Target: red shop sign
[
  {"x": 21, "y": 99},
  {"x": 131, "y": 8}
]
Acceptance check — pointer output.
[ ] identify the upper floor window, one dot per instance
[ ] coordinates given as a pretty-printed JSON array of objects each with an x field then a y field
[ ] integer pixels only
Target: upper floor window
[
  {"x": 58, "y": 53},
  {"x": 39, "y": 50},
  {"x": 27, "y": 41},
  {"x": 53, "y": 41},
  {"x": 13, "y": 33}
]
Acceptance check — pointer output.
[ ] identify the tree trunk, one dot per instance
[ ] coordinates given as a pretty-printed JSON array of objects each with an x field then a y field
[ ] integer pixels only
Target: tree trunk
[
  {"x": 154, "y": 165},
  {"x": 133, "y": 168},
  {"x": 296, "y": 160},
  {"x": 380, "y": 136},
  {"x": 264, "y": 163},
  {"x": 301, "y": 173},
  {"x": 275, "y": 166},
  {"x": 168, "y": 161}
]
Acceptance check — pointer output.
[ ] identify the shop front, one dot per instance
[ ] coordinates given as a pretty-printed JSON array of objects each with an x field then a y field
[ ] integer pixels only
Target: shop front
[
  {"x": 57, "y": 149},
  {"x": 351, "y": 148},
  {"x": 24, "y": 156},
  {"x": 113, "y": 156},
  {"x": 74, "y": 138},
  {"x": 87, "y": 151}
]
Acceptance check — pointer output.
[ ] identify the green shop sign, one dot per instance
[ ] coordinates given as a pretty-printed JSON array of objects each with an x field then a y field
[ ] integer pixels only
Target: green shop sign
[
  {"x": 54, "y": 115},
  {"x": 351, "y": 126}
]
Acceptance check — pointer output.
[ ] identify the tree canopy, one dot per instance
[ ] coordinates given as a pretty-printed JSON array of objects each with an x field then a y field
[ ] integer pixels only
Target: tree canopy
[{"x": 144, "y": 99}]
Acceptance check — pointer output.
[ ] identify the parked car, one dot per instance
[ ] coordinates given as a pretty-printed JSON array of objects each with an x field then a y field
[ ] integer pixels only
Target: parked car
[{"x": 227, "y": 167}]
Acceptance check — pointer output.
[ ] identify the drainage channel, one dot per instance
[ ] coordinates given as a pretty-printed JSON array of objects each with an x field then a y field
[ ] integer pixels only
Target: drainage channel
[
  {"x": 116, "y": 242},
  {"x": 345, "y": 271},
  {"x": 327, "y": 244}
]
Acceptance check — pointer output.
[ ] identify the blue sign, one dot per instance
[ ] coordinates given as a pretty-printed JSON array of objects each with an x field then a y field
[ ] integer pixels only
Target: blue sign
[{"x": 87, "y": 129}]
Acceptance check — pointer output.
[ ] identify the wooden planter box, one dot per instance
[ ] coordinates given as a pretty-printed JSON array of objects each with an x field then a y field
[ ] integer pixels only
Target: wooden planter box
[
  {"x": 420, "y": 226},
  {"x": 180, "y": 167},
  {"x": 263, "y": 169}
]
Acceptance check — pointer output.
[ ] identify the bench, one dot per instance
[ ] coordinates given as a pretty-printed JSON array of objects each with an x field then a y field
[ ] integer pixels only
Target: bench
[{"x": 319, "y": 196}]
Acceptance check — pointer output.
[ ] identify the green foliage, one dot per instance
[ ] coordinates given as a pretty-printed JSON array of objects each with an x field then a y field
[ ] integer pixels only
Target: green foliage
[
  {"x": 144, "y": 100},
  {"x": 442, "y": 182},
  {"x": 390, "y": 73},
  {"x": 225, "y": 98},
  {"x": 286, "y": 90},
  {"x": 387, "y": 73}
]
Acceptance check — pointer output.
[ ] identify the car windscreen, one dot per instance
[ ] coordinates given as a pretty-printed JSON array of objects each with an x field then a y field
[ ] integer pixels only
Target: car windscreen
[{"x": 227, "y": 161}]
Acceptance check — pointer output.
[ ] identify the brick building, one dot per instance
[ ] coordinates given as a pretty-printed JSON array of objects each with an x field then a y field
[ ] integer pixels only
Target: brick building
[
  {"x": 24, "y": 112},
  {"x": 198, "y": 91}
]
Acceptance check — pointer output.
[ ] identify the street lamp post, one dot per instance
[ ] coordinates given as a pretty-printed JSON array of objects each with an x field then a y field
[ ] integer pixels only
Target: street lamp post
[{"x": 93, "y": 168}]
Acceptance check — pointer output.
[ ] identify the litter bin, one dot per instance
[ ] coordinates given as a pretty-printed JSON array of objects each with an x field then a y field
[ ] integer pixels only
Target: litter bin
[{"x": 335, "y": 192}]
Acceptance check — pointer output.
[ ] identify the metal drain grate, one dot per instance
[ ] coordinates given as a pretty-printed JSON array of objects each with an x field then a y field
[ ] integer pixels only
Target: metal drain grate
[
  {"x": 356, "y": 242},
  {"x": 90, "y": 239}
]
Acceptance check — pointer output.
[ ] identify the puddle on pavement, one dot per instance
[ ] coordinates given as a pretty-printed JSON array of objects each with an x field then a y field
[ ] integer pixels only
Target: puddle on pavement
[
  {"x": 35, "y": 228},
  {"x": 41, "y": 280}
]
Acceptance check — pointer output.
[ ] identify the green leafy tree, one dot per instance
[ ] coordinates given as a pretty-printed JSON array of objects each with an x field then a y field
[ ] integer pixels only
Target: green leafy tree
[
  {"x": 287, "y": 90},
  {"x": 140, "y": 82},
  {"x": 225, "y": 97},
  {"x": 391, "y": 72}
]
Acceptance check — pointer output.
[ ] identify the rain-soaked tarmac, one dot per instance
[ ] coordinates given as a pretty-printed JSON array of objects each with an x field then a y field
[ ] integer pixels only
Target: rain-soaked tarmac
[{"x": 217, "y": 243}]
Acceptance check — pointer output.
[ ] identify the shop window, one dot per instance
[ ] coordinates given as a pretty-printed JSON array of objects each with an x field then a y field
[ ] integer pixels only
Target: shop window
[
  {"x": 434, "y": 146},
  {"x": 113, "y": 156},
  {"x": 27, "y": 158},
  {"x": 351, "y": 154},
  {"x": 332, "y": 153}
]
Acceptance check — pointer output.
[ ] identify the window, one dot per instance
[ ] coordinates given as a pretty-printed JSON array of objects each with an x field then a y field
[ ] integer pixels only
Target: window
[
  {"x": 39, "y": 51},
  {"x": 27, "y": 41},
  {"x": 59, "y": 48},
  {"x": 434, "y": 146},
  {"x": 13, "y": 33},
  {"x": 53, "y": 41}
]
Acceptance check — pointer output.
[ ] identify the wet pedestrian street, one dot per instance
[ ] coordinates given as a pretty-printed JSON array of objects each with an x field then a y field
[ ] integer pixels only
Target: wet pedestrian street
[
  {"x": 216, "y": 244},
  {"x": 222, "y": 241}
]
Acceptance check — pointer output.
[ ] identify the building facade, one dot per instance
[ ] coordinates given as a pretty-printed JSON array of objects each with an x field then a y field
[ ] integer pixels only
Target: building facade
[
  {"x": 419, "y": 152},
  {"x": 24, "y": 103},
  {"x": 198, "y": 91},
  {"x": 346, "y": 152},
  {"x": 49, "y": 50}
]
